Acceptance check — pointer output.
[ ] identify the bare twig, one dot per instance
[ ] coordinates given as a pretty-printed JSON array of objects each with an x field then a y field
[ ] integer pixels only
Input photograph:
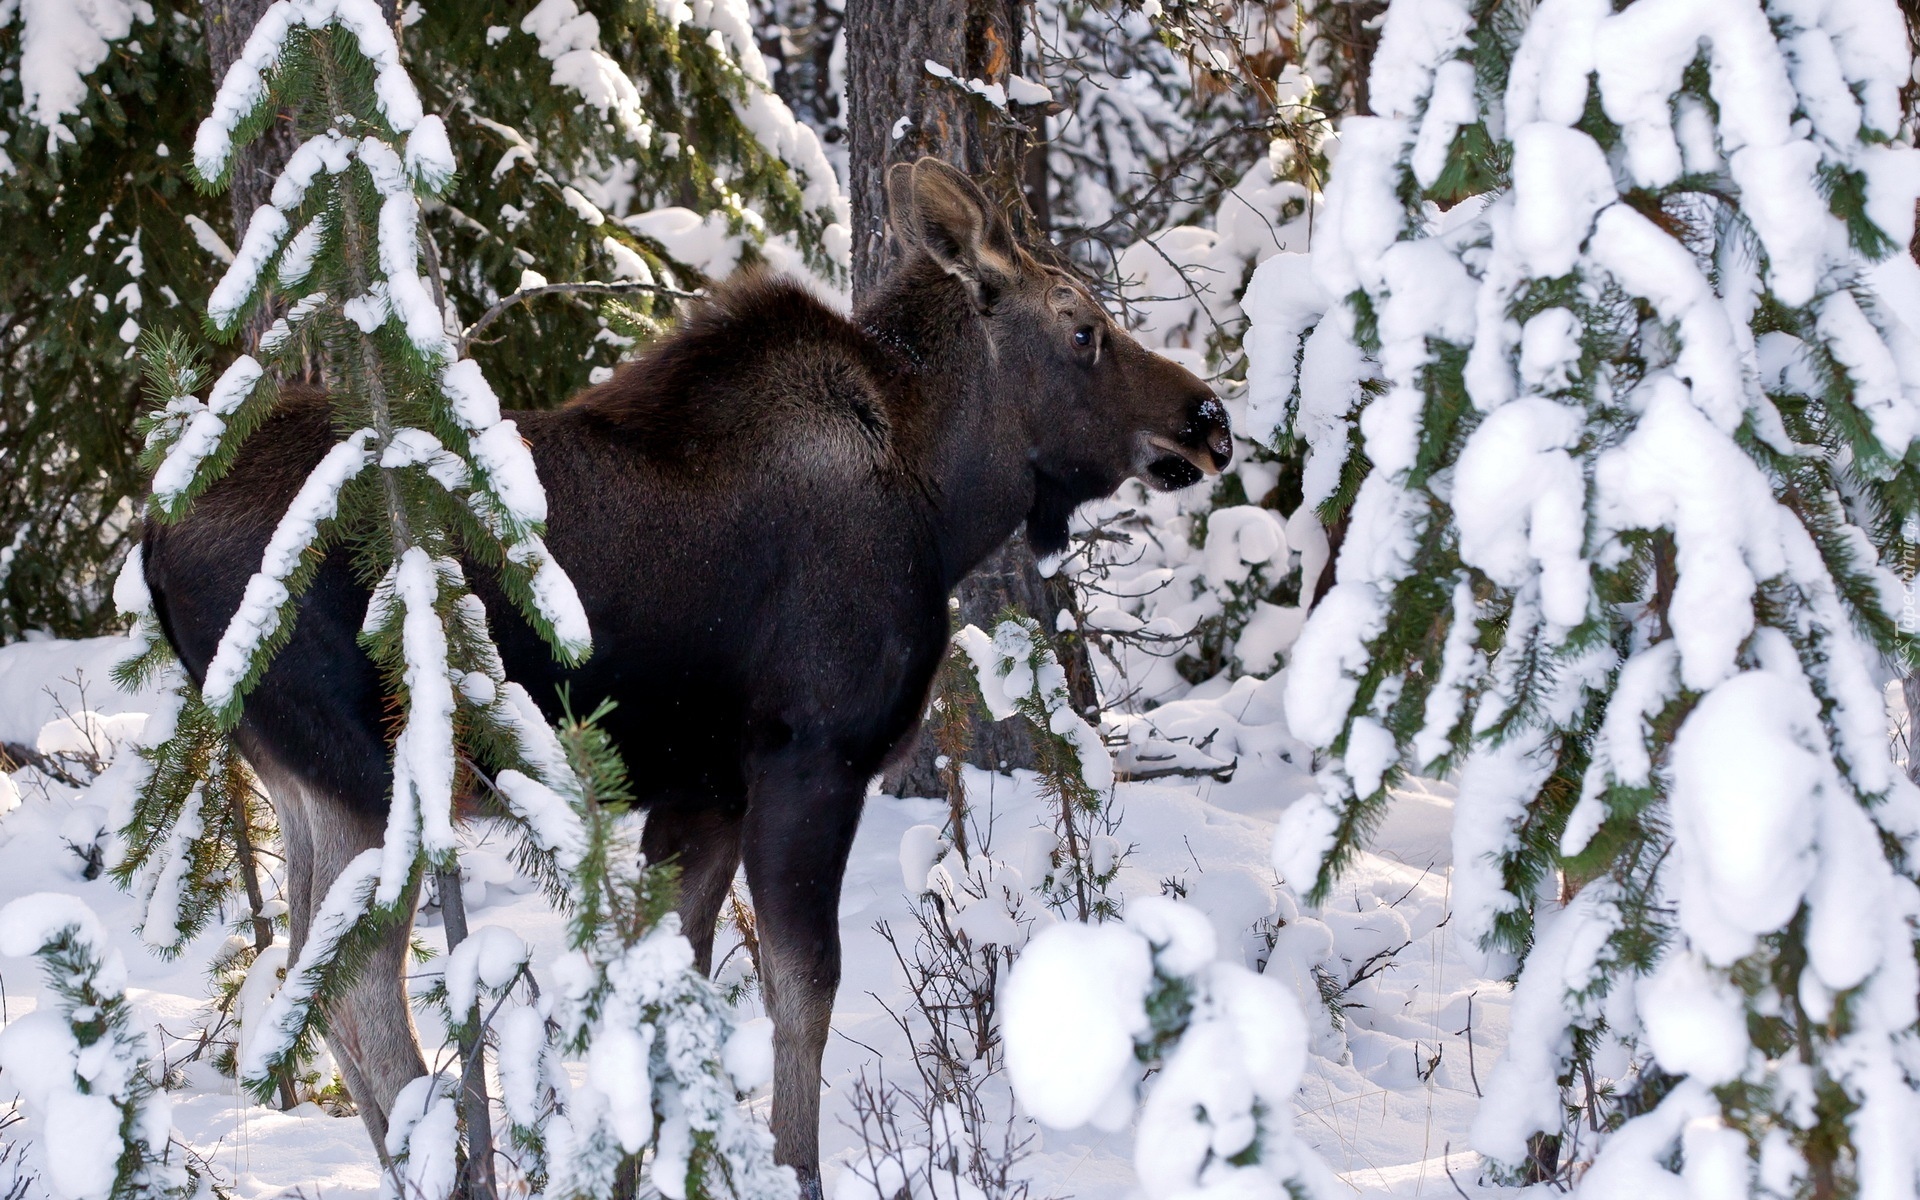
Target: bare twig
[
  {"x": 1446, "y": 1160},
  {"x": 1472, "y": 1072}
]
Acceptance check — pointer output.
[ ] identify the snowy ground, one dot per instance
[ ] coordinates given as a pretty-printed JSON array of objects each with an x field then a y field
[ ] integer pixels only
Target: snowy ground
[{"x": 1387, "y": 1098}]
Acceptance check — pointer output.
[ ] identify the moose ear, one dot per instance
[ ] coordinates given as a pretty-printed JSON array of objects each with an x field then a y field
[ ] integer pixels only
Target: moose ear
[{"x": 941, "y": 211}]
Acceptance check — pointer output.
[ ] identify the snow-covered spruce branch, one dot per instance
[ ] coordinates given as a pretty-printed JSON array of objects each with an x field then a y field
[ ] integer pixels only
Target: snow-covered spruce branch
[
  {"x": 1620, "y": 518},
  {"x": 264, "y": 618},
  {"x": 777, "y": 162},
  {"x": 104, "y": 1125},
  {"x": 283, "y": 1034},
  {"x": 187, "y": 443},
  {"x": 1089, "y": 1008}
]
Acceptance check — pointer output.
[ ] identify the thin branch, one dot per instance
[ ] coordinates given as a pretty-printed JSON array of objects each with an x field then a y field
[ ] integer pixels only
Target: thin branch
[{"x": 553, "y": 289}]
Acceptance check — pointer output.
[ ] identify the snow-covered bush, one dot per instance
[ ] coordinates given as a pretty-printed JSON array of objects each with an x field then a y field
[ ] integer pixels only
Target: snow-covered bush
[
  {"x": 665, "y": 1060},
  {"x": 1620, "y": 518},
  {"x": 103, "y": 1125},
  {"x": 947, "y": 1129},
  {"x": 1089, "y": 1007},
  {"x": 1017, "y": 672}
]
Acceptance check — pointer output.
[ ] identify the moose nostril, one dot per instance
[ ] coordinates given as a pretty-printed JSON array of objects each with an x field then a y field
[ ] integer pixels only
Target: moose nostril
[{"x": 1220, "y": 442}]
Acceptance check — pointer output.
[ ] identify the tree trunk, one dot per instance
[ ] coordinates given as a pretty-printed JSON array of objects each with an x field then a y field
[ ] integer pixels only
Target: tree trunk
[{"x": 898, "y": 112}]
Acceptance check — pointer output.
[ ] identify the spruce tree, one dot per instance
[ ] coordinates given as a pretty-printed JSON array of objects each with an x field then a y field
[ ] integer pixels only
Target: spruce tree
[
  {"x": 340, "y": 236},
  {"x": 98, "y": 229},
  {"x": 85, "y": 1066},
  {"x": 577, "y": 119},
  {"x": 1624, "y": 512},
  {"x": 427, "y": 482}
]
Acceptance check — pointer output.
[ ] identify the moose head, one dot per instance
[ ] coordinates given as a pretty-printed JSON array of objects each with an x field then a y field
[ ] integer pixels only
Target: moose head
[{"x": 1093, "y": 406}]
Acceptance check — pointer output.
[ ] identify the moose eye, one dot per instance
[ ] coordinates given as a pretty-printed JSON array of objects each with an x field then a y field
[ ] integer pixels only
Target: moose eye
[{"x": 1083, "y": 336}]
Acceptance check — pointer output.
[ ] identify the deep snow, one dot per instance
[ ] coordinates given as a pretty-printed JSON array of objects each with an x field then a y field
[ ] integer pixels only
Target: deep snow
[{"x": 1386, "y": 1100}]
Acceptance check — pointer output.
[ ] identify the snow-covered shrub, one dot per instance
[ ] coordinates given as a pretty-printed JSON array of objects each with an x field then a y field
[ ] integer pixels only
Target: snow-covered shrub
[
  {"x": 1089, "y": 1007},
  {"x": 423, "y": 1141},
  {"x": 1620, "y": 518},
  {"x": 102, "y": 1123},
  {"x": 1245, "y": 563},
  {"x": 935, "y": 1151},
  {"x": 950, "y": 1131},
  {"x": 1018, "y": 672},
  {"x": 665, "y": 1060}
]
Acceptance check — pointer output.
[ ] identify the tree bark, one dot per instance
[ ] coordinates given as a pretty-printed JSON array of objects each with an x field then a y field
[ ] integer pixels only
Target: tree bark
[
  {"x": 477, "y": 1180},
  {"x": 898, "y": 112}
]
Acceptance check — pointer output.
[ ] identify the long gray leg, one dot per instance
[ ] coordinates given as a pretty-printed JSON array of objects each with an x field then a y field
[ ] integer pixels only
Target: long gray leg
[
  {"x": 370, "y": 1027},
  {"x": 803, "y": 810},
  {"x": 705, "y": 844}
]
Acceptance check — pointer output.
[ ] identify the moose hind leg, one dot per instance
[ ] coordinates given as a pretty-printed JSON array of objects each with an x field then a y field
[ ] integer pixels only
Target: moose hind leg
[
  {"x": 704, "y": 843},
  {"x": 801, "y": 817},
  {"x": 370, "y": 1025}
]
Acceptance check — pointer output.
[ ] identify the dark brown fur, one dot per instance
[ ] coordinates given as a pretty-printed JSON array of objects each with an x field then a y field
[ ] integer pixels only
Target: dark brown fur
[{"x": 763, "y": 516}]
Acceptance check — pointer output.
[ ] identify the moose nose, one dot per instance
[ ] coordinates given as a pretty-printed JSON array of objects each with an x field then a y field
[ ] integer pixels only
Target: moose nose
[{"x": 1211, "y": 417}]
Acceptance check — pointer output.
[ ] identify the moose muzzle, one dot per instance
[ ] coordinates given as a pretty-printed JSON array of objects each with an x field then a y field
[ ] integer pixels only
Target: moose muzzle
[{"x": 1202, "y": 446}]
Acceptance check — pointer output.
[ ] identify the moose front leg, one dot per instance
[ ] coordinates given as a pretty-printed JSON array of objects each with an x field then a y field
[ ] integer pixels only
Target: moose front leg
[{"x": 801, "y": 816}]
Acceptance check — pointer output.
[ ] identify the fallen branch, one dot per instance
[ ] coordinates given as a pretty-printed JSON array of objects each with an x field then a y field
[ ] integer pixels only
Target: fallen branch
[{"x": 1221, "y": 774}]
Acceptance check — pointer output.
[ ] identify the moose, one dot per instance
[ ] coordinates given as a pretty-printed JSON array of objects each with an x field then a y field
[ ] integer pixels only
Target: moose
[{"x": 763, "y": 514}]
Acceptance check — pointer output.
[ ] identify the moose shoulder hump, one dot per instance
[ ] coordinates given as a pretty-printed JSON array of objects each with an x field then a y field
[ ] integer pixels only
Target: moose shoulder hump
[{"x": 761, "y": 361}]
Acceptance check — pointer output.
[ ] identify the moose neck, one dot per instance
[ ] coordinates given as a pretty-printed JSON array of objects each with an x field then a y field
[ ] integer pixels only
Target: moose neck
[{"x": 959, "y": 432}]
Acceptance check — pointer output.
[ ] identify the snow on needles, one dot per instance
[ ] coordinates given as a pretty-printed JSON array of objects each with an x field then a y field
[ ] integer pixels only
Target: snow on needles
[
  {"x": 271, "y": 1036},
  {"x": 244, "y": 89},
  {"x": 1086, "y": 1004},
  {"x": 421, "y": 817},
  {"x": 61, "y": 43},
  {"x": 200, "y": 428},
  {"x": 570, "y": 40},
  {"x": 1018, "y": 672},
  {"x": 82, "y": 1064},
  {"x": 261, "y": 606},
  {"x": 1779, "y": 787}
]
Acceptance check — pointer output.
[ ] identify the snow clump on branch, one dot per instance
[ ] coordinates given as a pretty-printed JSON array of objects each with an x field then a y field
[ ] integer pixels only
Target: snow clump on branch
[{"x": 1088, "y": 1006}]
